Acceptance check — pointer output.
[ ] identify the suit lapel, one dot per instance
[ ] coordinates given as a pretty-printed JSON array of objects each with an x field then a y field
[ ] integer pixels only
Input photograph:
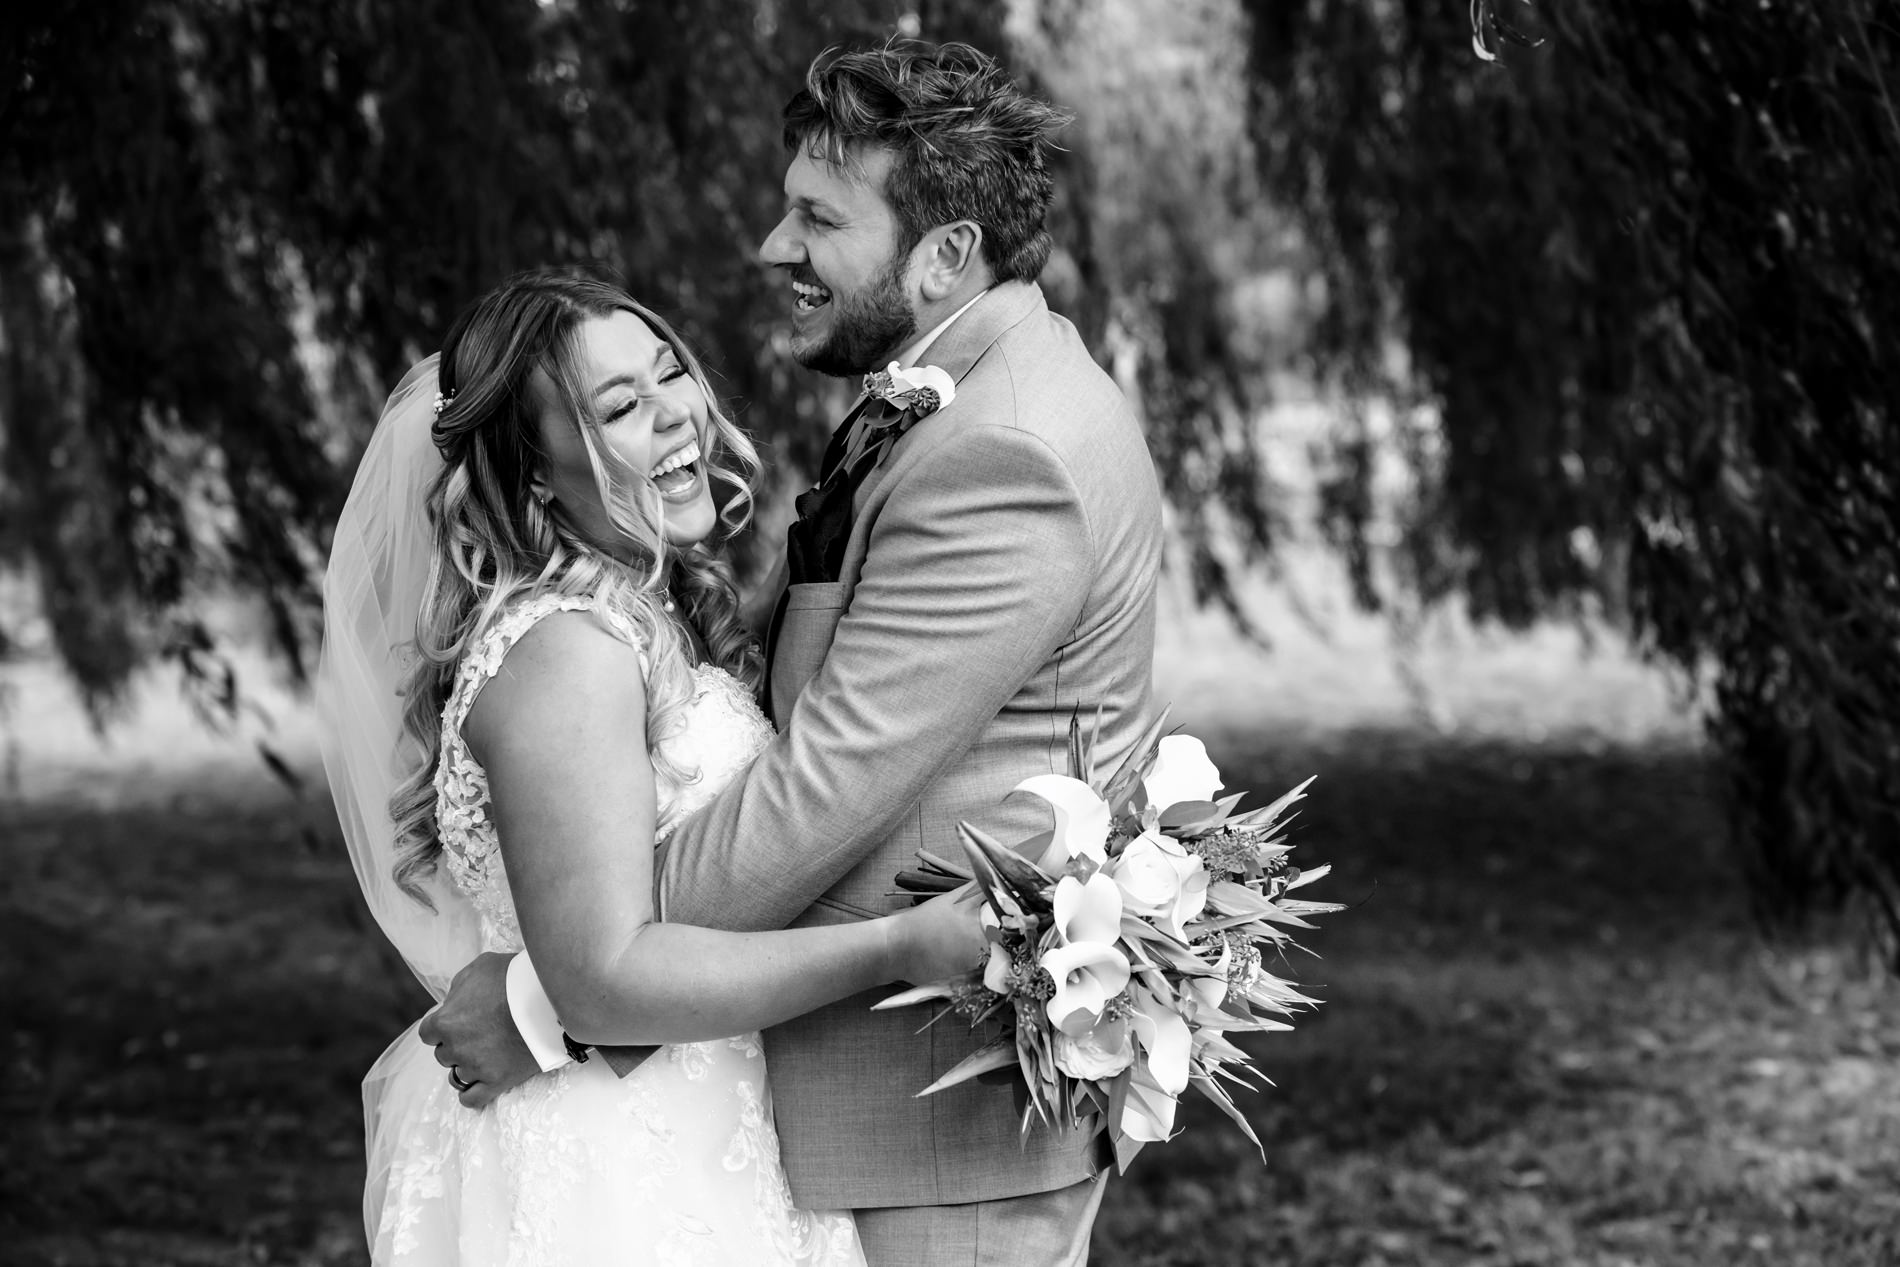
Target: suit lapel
[{"x": 957, "y": 350}]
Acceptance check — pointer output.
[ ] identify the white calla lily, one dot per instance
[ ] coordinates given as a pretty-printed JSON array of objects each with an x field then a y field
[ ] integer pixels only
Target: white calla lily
[
  {"x": 1210, "y": 992},
  {"x": 1167, "y": 1040},
  {"x": 1087, "y": 975},
  {"x": 996, "y": 971},
  {"x": 1148, "y": 1112},
  {"x": 1182, "y": 772},
  {"x": 1088, "y": 910},
  {"x": 922, "y": 376},
  {"x": 1081, "y": 818}
]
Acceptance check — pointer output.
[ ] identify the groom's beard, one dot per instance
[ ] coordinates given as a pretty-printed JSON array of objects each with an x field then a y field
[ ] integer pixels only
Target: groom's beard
[{"x": 865, "y": 329}]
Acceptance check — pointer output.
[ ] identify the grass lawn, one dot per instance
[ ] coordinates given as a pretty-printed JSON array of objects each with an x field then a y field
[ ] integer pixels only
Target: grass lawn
[{"x": 1550, "y": 1035}]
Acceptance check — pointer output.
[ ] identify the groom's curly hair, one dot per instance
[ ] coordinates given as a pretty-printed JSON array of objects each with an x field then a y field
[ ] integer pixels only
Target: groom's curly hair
[{"x": 969, "y": 144}]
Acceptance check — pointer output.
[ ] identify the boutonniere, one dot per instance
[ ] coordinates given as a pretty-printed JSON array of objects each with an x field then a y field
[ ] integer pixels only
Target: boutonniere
[{"x": 921, "y": 390}]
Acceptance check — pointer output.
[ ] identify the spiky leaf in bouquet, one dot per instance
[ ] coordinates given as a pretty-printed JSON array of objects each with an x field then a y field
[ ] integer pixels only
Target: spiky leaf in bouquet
[{"x": 1127, "y": 941}]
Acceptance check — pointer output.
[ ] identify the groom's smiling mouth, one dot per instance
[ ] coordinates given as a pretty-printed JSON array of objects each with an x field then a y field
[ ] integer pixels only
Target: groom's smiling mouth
[{"x": 811, "y": 296}]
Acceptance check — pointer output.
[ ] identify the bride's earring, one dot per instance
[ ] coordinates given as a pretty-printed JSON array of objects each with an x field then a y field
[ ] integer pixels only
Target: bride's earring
[{"x": 540, "y": 521}]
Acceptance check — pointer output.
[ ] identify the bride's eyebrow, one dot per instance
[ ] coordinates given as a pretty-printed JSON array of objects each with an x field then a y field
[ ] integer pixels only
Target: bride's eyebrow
[{"x": 632, "y": 380}]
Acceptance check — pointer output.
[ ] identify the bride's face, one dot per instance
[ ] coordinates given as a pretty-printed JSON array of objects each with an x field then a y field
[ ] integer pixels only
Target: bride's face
[{"x": 653, "y": 420}]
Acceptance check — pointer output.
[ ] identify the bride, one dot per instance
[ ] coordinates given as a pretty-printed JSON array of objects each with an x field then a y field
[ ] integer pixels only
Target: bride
[{"x": 534, "y": 668}]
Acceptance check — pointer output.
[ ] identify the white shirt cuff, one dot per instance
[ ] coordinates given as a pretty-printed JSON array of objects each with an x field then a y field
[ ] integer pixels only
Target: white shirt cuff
[{"x": 534, "y": 1014}]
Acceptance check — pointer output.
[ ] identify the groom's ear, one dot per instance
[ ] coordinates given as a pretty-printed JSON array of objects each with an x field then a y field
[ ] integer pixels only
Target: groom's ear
[{"x": 953, "y": 253}]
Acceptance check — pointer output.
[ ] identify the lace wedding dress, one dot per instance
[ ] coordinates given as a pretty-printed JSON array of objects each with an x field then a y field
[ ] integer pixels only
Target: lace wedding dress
[{"x": 677, "y": 1163}]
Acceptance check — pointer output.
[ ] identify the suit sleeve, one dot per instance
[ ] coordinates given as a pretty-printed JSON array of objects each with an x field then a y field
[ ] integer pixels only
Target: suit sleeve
[{"x": 976, "y": 571}]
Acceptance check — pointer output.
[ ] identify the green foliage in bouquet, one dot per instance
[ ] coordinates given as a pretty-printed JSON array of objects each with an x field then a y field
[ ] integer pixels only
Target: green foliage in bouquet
[{"x": 1126, "y": 942}]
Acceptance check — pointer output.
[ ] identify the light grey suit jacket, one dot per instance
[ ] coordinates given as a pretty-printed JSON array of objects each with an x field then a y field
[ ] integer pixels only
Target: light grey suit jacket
[{"x": 1000, "y": 574}]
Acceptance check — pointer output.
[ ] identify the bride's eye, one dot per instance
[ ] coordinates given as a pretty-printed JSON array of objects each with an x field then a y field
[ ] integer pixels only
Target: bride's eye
[{"x": 673, "y": 370}]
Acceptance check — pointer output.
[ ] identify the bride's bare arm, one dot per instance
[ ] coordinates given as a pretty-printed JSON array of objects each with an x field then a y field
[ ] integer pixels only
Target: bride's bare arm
[{"x": 561, "y": 731}]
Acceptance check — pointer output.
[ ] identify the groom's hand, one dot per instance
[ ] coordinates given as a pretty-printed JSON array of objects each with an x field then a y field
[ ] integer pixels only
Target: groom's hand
[{"x": 474, "y": 1034}]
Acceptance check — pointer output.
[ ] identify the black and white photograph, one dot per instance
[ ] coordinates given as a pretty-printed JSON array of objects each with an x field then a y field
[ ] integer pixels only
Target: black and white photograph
[{"x": 950, "y": 633}]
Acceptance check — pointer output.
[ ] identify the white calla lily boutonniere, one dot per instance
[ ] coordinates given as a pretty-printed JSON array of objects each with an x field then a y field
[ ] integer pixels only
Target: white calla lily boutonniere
[{"x": 921, "y": 390}]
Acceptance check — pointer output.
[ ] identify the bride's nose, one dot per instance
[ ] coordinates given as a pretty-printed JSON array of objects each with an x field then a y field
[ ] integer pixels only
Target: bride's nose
[{"x": 672, "y": 414}]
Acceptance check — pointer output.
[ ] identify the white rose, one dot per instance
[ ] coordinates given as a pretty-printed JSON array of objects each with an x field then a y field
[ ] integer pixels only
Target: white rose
[
  {"x": 1161, "y": 881},
  {"x": 1101, "y": 1051}
]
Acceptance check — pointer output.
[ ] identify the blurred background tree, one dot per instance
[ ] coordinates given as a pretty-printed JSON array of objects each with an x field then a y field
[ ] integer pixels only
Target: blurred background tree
[
  {"x": 1616, "y": 303},
  {"x": 1643, "y": 279},
  {"x": 229, "y": 226}
]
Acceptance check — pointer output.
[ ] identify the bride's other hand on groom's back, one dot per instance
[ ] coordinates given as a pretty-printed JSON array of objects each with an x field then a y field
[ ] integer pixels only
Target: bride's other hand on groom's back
[{"x": 473, "y": 1034}]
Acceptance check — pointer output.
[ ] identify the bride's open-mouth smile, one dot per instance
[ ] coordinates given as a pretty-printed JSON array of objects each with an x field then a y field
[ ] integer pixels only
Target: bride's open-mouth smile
[{"x": 679, "y": 474}]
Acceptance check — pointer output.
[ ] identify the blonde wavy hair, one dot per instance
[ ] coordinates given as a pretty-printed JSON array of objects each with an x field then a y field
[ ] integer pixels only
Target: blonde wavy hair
[{"x": 496, "y": 544}]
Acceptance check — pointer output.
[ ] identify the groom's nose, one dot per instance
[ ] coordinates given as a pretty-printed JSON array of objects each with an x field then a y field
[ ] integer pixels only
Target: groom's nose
[{"x": 781, "y": 245}]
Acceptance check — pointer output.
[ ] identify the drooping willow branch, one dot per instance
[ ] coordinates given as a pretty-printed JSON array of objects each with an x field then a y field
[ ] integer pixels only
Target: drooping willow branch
[{"x": 1490, "y": 32}]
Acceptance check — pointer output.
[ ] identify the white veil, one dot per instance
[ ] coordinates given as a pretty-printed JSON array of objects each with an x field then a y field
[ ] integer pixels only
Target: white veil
[{"x": 372, "y": 596}]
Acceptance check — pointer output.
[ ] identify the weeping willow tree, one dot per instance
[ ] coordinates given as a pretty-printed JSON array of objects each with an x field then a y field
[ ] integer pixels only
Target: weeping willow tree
[
  {"x": 1168, "y": 228},
  {"x": 225, "y": 229},
  {"x": 1646, "y": 274},
  {"x": 1638, "y": 275}
]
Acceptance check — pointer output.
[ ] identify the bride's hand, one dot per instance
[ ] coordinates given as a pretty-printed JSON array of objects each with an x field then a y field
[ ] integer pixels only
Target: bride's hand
[{"x": 940, "y": 938}]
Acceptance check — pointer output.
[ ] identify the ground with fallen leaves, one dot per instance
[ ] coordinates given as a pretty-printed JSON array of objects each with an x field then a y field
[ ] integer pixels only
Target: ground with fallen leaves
[{"x": 1550, "y": 1034}]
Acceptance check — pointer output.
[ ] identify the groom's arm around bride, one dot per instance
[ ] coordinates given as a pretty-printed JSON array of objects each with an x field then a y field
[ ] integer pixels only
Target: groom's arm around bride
[{"x": 997, "y": 574}]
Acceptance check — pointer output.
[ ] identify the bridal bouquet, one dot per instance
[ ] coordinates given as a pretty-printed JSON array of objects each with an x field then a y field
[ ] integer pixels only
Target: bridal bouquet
[{"x": 1127, "y": 943}]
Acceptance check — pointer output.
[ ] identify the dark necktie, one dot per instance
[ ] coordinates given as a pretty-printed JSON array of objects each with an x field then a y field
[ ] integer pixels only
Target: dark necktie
[{"x": 814, "y": 545}]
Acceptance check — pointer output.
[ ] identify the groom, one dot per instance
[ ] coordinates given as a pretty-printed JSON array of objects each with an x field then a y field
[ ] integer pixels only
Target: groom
[{"x": 957, "y": 586}]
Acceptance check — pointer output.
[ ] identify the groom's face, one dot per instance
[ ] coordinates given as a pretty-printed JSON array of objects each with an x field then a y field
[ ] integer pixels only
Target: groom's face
[{"x": 838, "y": 248}]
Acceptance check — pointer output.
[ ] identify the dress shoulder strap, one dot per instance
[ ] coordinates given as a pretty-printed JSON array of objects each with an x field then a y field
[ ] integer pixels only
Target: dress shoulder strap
[{"x": 484, "y": 660}]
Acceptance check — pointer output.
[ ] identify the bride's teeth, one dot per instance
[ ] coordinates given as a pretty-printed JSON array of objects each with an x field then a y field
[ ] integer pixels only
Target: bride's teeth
[{"x": 683, "y": 457}]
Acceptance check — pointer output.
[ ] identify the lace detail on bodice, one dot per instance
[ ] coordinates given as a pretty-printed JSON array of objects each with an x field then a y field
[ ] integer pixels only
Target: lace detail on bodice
[
  {"x": 674, "y": 1165},
  {"x": 723, "y": 731}
]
